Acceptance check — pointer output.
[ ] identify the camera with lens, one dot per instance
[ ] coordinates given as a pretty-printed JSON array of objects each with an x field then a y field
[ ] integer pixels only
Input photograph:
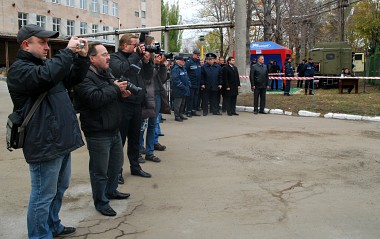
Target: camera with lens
[
  {"x": 153, "y": 49},
  {"x": 130, "y": 86},
  {"x": 81, "y": 44},
  {"x": 168, "y": 56}
]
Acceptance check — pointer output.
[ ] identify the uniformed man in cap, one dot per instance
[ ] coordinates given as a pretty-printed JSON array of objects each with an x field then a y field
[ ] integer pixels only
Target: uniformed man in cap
[
  {"x": 309, "y": 71},
  {"x": 211, "y": 83},
  {"x": 181, "y": 88},
  {"x": 193, "y": 68}
]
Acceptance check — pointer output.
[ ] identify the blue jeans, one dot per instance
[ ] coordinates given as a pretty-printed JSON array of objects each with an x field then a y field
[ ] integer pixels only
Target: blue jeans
[
  {"x": 150, "y": 133},
  {"x": 157, "y": 129},
  {"x": 106, "y": 161},
  {"x": 49, "y": 181}
]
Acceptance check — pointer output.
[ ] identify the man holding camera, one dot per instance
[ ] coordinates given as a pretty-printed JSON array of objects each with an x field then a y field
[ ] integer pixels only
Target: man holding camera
[
  {"x": 132, "y": 63},
  {"x": 98, "y": 100},
  {"x": 53, "y": 131}
]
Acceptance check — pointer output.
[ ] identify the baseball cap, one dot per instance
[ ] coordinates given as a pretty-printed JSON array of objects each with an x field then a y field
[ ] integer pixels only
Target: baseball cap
[
  {"x": 178, "y": 57},
  {"x": 30, "y": 30}
]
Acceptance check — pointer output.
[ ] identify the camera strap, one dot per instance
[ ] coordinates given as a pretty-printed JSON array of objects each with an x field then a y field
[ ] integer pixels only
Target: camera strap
[{"x": 31, "y": 112}]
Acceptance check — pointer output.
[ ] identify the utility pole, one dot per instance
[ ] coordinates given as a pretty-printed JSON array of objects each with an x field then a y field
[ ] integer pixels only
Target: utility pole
[
  {"x": 241, "y": 35},
  {"x": 341, "y": 5}
]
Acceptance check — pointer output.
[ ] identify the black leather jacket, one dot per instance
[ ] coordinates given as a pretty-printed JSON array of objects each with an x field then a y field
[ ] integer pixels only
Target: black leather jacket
[
  {"x": 53, "y": 131},
  {"x": 98, "y": 102}
]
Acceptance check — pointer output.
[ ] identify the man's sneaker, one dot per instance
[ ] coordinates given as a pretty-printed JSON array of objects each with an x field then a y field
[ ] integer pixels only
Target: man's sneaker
[
  {"x": 67, "y": 231},
  {"x": 153, "y": 158},
  {"x": 141, "y": 159},
  {"x": 159, "y": 147}
]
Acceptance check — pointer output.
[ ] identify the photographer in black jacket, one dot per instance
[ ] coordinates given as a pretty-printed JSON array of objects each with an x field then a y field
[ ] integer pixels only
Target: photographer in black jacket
[
  {"x": 98, "y": 100},
  {"x": 132, "y": 63}
]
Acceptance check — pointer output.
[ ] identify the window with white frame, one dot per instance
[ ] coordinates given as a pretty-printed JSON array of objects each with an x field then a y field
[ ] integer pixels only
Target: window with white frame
[
  {"x": 115, "y": 9},
  {"x": 82, "y": 4},
  {"x": 137, "y": 14},
  {"x": 56, "y": 24},
  {"x": 70, "y": 28},
  {"x": 22, "y": 19},
  {"x": 70, "y": 3},
  {"x": 94, "y": 6},
  {"x": 143, "y": 14},
  {"x": 41, "y": 21},
  {"x": 95, "y": 28},
  {"x": 105, "y": 29},
  {"x": 83, "y": 28},
  {"x": 105, "y": 7},
  {"x": 56, "y": 1}
]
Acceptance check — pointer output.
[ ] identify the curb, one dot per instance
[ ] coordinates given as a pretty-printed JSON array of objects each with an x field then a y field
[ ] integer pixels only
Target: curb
[{"x": 306, "y": 113}]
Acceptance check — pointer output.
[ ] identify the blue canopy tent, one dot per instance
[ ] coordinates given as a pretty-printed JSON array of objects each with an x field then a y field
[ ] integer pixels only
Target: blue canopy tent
[{"x": 271, "y": 51}]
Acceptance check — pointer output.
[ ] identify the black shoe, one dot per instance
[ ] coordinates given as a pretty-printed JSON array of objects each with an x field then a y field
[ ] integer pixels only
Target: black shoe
[
  {"x": 178, "y": 119},
  {"x": 255, "y": 112},
  {"x": 205, "y": 113},
  {"x": 107, "y": 211},
  {"x": 159, "y": 147},
  {"x": 217, "y": 113},
  {"x": 161, "y": 134},
  {"x": 189, "y": 115},
  {"x": 194, "y": 113},
  {"x": 262, "y": 112},
  {"x": 119, "y": 196},
  {"x": 235, "y": 113},
  {"x": 183, "y": 117},
  {"x": 67, "y": 231},
  {"x": 153, "y": 158},
  {"x": 141, "y": 173},
  {"x": 121, "y": 179}
]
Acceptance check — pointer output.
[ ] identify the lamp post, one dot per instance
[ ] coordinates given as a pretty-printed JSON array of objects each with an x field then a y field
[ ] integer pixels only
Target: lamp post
[{"x": 202, "y": 41}]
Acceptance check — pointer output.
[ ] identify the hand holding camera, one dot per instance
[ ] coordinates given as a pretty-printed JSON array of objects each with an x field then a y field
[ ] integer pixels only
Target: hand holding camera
[{"x": 78, "y": 45}]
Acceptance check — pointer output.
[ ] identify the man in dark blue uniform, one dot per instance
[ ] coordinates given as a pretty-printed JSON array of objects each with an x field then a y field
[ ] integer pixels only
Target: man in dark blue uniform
[
  {"x": 193, "y": 68},
  {"x": 181, "y": 88},
  {"x": 309, "y": 70},
  {"x": 211, "y": 82},
  {"x": 288, "y": 73}
]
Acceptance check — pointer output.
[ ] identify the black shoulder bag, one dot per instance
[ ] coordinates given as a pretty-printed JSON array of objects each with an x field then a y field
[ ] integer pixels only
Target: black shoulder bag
[{"x": 16, "y": 126}]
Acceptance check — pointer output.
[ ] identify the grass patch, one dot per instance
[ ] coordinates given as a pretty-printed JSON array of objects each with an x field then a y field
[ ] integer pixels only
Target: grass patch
[{"x": 326, "y": 101}]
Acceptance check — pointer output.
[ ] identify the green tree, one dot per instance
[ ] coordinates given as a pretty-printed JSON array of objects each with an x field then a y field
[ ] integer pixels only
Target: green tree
[
  {"x": 365, "y": 23},
  {"x": 170, "y": 15}
]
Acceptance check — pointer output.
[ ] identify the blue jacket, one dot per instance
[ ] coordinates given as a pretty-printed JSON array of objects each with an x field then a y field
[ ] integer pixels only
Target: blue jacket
[
  {"x": 180, "y": 81},
  {"x": 193, "y": 68},
  {"x": 308, "y": 68},
  {"x": 289, "y": 69},
  {"x": 53, "y": 130},
  {"x": 211, "y": 76}
]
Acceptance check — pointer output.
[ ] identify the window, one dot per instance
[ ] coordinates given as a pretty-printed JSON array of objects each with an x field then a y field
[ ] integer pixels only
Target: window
[
  {"x": 105, "y": 29},
  {"x": 143, "y": 14},
  {"x": 70, "y": 27},
  {"x": 70, "y": 3},
  {"x": 82, "y": 4},
  {"x": 83, "y": 28},
  {"x": 94, "y": 6},
  {"x": 56, "y": 24},
  {"x": 105, "y": 7},
  {"x": 137, "y": 14},
  {"x": 22, "y": 19},
  {"x": 115, "y": 9},
  {"x": 56, "y": 1},
  {"x": 41, "y": 21},
  {"x": 94, "y": 29},
  {"x": 330, "y": 56}
]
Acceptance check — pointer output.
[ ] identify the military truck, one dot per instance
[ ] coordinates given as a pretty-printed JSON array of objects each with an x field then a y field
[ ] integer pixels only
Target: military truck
[{"x": 329, "y": 59}]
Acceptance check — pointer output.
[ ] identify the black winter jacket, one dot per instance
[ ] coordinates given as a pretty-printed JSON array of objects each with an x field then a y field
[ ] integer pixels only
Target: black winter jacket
[
  {"x": 258, "y": 76},
  {"x": 53, "y": 131},
  {"x": 98, "y": 102},
  {"x": 130, "y": 66}
]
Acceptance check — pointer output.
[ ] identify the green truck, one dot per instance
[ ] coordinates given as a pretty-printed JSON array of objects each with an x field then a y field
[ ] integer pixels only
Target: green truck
[{"x": 331, "y": 57}]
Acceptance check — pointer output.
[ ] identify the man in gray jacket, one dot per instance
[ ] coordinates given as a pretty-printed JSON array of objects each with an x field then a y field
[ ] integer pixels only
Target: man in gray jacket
[{"x": 259, "y": 83}]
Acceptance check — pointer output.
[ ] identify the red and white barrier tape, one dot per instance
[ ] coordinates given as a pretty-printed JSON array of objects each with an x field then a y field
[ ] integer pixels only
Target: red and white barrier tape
[{"x": 319, "y": 77}]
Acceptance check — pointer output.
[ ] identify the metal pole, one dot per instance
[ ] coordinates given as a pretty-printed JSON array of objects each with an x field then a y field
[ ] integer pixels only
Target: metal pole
[{"x": 166, "y": 43}]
